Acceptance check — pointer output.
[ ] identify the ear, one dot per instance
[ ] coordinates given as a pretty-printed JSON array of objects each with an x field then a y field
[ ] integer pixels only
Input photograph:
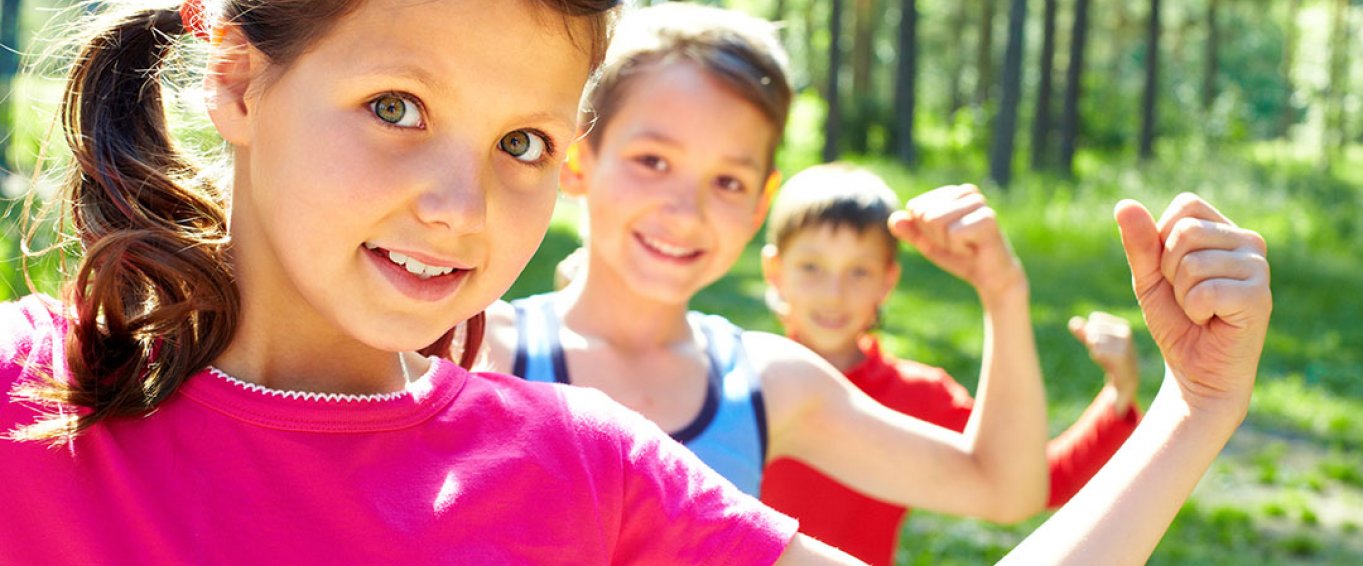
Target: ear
[
  {"x": 232, "y": 65},
  {"x": 771, "y": 271},
  {"x": 771, "y": 265},
  {"x": 768, "y": 192},
  {"x": 578, "y": 160},
  {"x": 891, "y": 280}
]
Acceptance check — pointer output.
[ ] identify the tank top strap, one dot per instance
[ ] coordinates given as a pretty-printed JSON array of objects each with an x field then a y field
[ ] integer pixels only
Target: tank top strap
[
  {"x": 539, "y": 354},
  {"x": 735, "y": 441}
]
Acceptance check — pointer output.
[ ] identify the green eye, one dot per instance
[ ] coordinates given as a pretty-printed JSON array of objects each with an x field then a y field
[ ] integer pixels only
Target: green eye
[
  {"x": 523, "y": 145},
  {"x": 396, "y": 110}
]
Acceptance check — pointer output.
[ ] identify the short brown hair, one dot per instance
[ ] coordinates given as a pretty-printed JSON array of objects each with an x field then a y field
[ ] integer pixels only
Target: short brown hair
[
  {"x": 833, "y": 195},
  {"x": 741, "y": 51}
]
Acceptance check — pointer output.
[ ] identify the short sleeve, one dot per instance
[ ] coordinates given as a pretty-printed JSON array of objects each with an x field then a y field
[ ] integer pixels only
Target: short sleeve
[{"x": 675, "y": 509}]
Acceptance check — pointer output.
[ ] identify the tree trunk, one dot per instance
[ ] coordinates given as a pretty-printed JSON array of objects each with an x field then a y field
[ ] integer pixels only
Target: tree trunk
[
  {"x": 856, "y": 127},
  {"x": 1293, "y": 33},
  {"x": 1333, "y": 134},
  {"x": 1148, "y": 104},
  {"x": 955, "y": 97},
  {"x": 1005, "y": 126},
  {"x": 1210, "y": 70},
  {"x": 905, "y": 83},
  {"x": 1074, "y": 85},
  {"x": 1041, "y": 122},
  {"x": 984, "y": 54},
  {"x": 9, "y": 68},
  {"x": 833, "y": 121}
]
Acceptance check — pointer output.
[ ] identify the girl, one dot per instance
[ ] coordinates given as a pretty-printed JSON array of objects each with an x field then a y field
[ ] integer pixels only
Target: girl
[
  {"x": 232, "y": 374},
  {"x": 685, "y": 118}
]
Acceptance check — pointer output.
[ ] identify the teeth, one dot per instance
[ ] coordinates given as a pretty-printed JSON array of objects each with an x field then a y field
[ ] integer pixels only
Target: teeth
[
  {"x": 668, "y": 249},
  {"x": 413, "y": 266}
]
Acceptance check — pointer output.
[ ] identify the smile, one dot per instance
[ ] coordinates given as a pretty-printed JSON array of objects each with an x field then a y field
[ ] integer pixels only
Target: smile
[
  {"x": 411, "y": 264},
  {"x": 667, "y": 250}
]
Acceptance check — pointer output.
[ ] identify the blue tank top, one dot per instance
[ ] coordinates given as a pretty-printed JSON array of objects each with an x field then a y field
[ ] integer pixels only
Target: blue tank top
[{"x": 730, "y": 432}]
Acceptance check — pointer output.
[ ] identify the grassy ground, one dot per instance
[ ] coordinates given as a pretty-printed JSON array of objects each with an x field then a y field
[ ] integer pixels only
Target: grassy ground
[{"x": 1288, "y": 489}]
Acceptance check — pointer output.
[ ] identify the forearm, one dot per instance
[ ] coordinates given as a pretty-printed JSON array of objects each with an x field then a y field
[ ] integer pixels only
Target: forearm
[
  {"x": 1119, "y": 517},
  {"x": 1007, "y": 428},
  {"x": 1079, "y": 452}
]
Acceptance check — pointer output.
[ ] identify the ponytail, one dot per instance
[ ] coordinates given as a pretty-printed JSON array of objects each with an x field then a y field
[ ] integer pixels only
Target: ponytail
[{"x": 153, "y": 297}]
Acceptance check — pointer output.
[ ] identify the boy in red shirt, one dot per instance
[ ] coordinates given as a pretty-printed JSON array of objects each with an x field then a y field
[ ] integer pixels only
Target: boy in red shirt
[{"x": 830, "y": 263}]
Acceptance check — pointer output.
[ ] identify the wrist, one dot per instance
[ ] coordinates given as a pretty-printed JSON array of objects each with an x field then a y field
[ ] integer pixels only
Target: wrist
[{"x": 1006, "y": 291}]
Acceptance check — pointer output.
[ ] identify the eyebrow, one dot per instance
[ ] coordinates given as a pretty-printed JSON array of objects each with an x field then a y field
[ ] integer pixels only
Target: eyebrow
[{"x": 745, "y": 161}]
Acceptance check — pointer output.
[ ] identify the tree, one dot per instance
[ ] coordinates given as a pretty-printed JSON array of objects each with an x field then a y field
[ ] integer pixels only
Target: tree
[
  {"x": 9, "y": 67},
  {"x": 1041, "y": 123},
  {"x": 1210, "y": 68},
  {"x": 1005, "y": 126},
  {"x": 956, "y": 60},
  {"x": 1151, "y": 98},
  {"x": 1333, "y": 135},
  {"x": 1074, "y": 84},
  {"x": 984, "y": 54},
  {"x": 905, "y": 82},
  {"x": 833, "y": 121},
  {"x": 863, "y": 99},
  {"x": 1287, "y": 117}
]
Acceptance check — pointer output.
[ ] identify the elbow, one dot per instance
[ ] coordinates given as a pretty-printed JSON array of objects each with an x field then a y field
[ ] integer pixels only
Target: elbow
[{"x": 1021, "y": 505}]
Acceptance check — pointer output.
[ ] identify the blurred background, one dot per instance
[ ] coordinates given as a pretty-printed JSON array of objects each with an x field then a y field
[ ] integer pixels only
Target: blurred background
[{"x": 1058, "y": 108}]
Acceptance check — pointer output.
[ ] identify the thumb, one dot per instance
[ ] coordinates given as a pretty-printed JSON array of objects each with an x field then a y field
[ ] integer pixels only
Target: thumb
[
  {"x": 1077, "y": 329},
  {"x": 1144, "y": 250}
]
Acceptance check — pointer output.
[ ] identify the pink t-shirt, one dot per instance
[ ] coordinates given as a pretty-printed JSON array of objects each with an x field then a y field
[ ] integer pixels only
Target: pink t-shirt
[{"x": 460, "y": 468}]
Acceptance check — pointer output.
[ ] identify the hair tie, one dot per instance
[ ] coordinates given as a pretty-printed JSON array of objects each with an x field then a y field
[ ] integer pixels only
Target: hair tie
[{"x": 193, "y": 19}]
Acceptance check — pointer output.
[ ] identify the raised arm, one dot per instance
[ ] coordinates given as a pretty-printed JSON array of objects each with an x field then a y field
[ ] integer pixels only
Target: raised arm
[
  {"x": 1202, "y": 284},
  {"x": 996, "y": 469},
  {"x": 1079, "y": 452}
]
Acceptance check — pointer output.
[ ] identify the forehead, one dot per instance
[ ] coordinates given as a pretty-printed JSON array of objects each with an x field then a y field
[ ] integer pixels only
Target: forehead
[
  {"x": 839, "y": 241},
  {"x": 682, "y": 101},
  {"x": 524, "y": 50}
]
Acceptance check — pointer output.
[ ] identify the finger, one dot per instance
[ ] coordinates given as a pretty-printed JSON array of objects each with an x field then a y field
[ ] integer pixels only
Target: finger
[
  {"x": 939, "y": 220},
  {"x": 1188, "y": 205},
  {"x": 976, "y": 228},
  {"x": 1142, "y": 245},
  {"x": 1190, "y": 234},
  {"x": 1214, "y": 265},
  {"x": 906, "y": 228},
  {"x": 1077, "y": 329},
  {"x": 1239, "y": 303}
]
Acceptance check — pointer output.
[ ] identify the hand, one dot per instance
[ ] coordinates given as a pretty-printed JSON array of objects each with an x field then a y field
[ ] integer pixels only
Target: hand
[
  {"x": 1108, "y": 339},
  {"x": 1202, "y": 284},
  {"x": 954, "y": 228}
]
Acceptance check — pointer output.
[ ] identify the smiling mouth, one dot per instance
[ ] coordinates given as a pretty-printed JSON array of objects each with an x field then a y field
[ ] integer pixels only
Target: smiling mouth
[
  {"x": 413, "y": 266},
  {"x": 829, "y": 322},
  {"x": 667, "y": 250}
]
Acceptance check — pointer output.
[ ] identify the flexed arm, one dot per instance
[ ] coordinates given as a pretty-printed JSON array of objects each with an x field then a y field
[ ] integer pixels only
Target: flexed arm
[
  {"x": 996, "y": 469},
  {"x": 1202, "y": 284}
]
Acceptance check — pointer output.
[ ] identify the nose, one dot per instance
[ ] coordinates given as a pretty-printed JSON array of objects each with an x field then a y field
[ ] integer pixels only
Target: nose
[
  {"x": 685, "y": 200},
  {"x": 453, "y": 196}
]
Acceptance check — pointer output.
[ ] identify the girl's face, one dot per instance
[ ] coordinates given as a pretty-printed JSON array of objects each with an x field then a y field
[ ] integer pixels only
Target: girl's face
[
  {"x": 674, "y": 188},
  {"x": 395, "y": 179},
  {"x": 831, "y": 282}
]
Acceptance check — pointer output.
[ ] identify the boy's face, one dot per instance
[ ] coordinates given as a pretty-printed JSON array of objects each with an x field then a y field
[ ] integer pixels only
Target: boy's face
[
  {"x": 674, "y": 188},
  {"x": 831, "y": 281},
  {"x": 395, "y": 178}
]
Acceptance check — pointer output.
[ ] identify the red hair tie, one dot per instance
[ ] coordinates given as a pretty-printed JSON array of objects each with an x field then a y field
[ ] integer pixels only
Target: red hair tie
[{"x": 194, "y": 20}]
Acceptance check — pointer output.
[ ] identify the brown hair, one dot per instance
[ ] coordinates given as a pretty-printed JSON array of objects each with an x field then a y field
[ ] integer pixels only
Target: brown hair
[
  {"x": 741, "y": 51},
  {"x": 834, "y": 195},
  {"x": 153, "y": 299}
]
